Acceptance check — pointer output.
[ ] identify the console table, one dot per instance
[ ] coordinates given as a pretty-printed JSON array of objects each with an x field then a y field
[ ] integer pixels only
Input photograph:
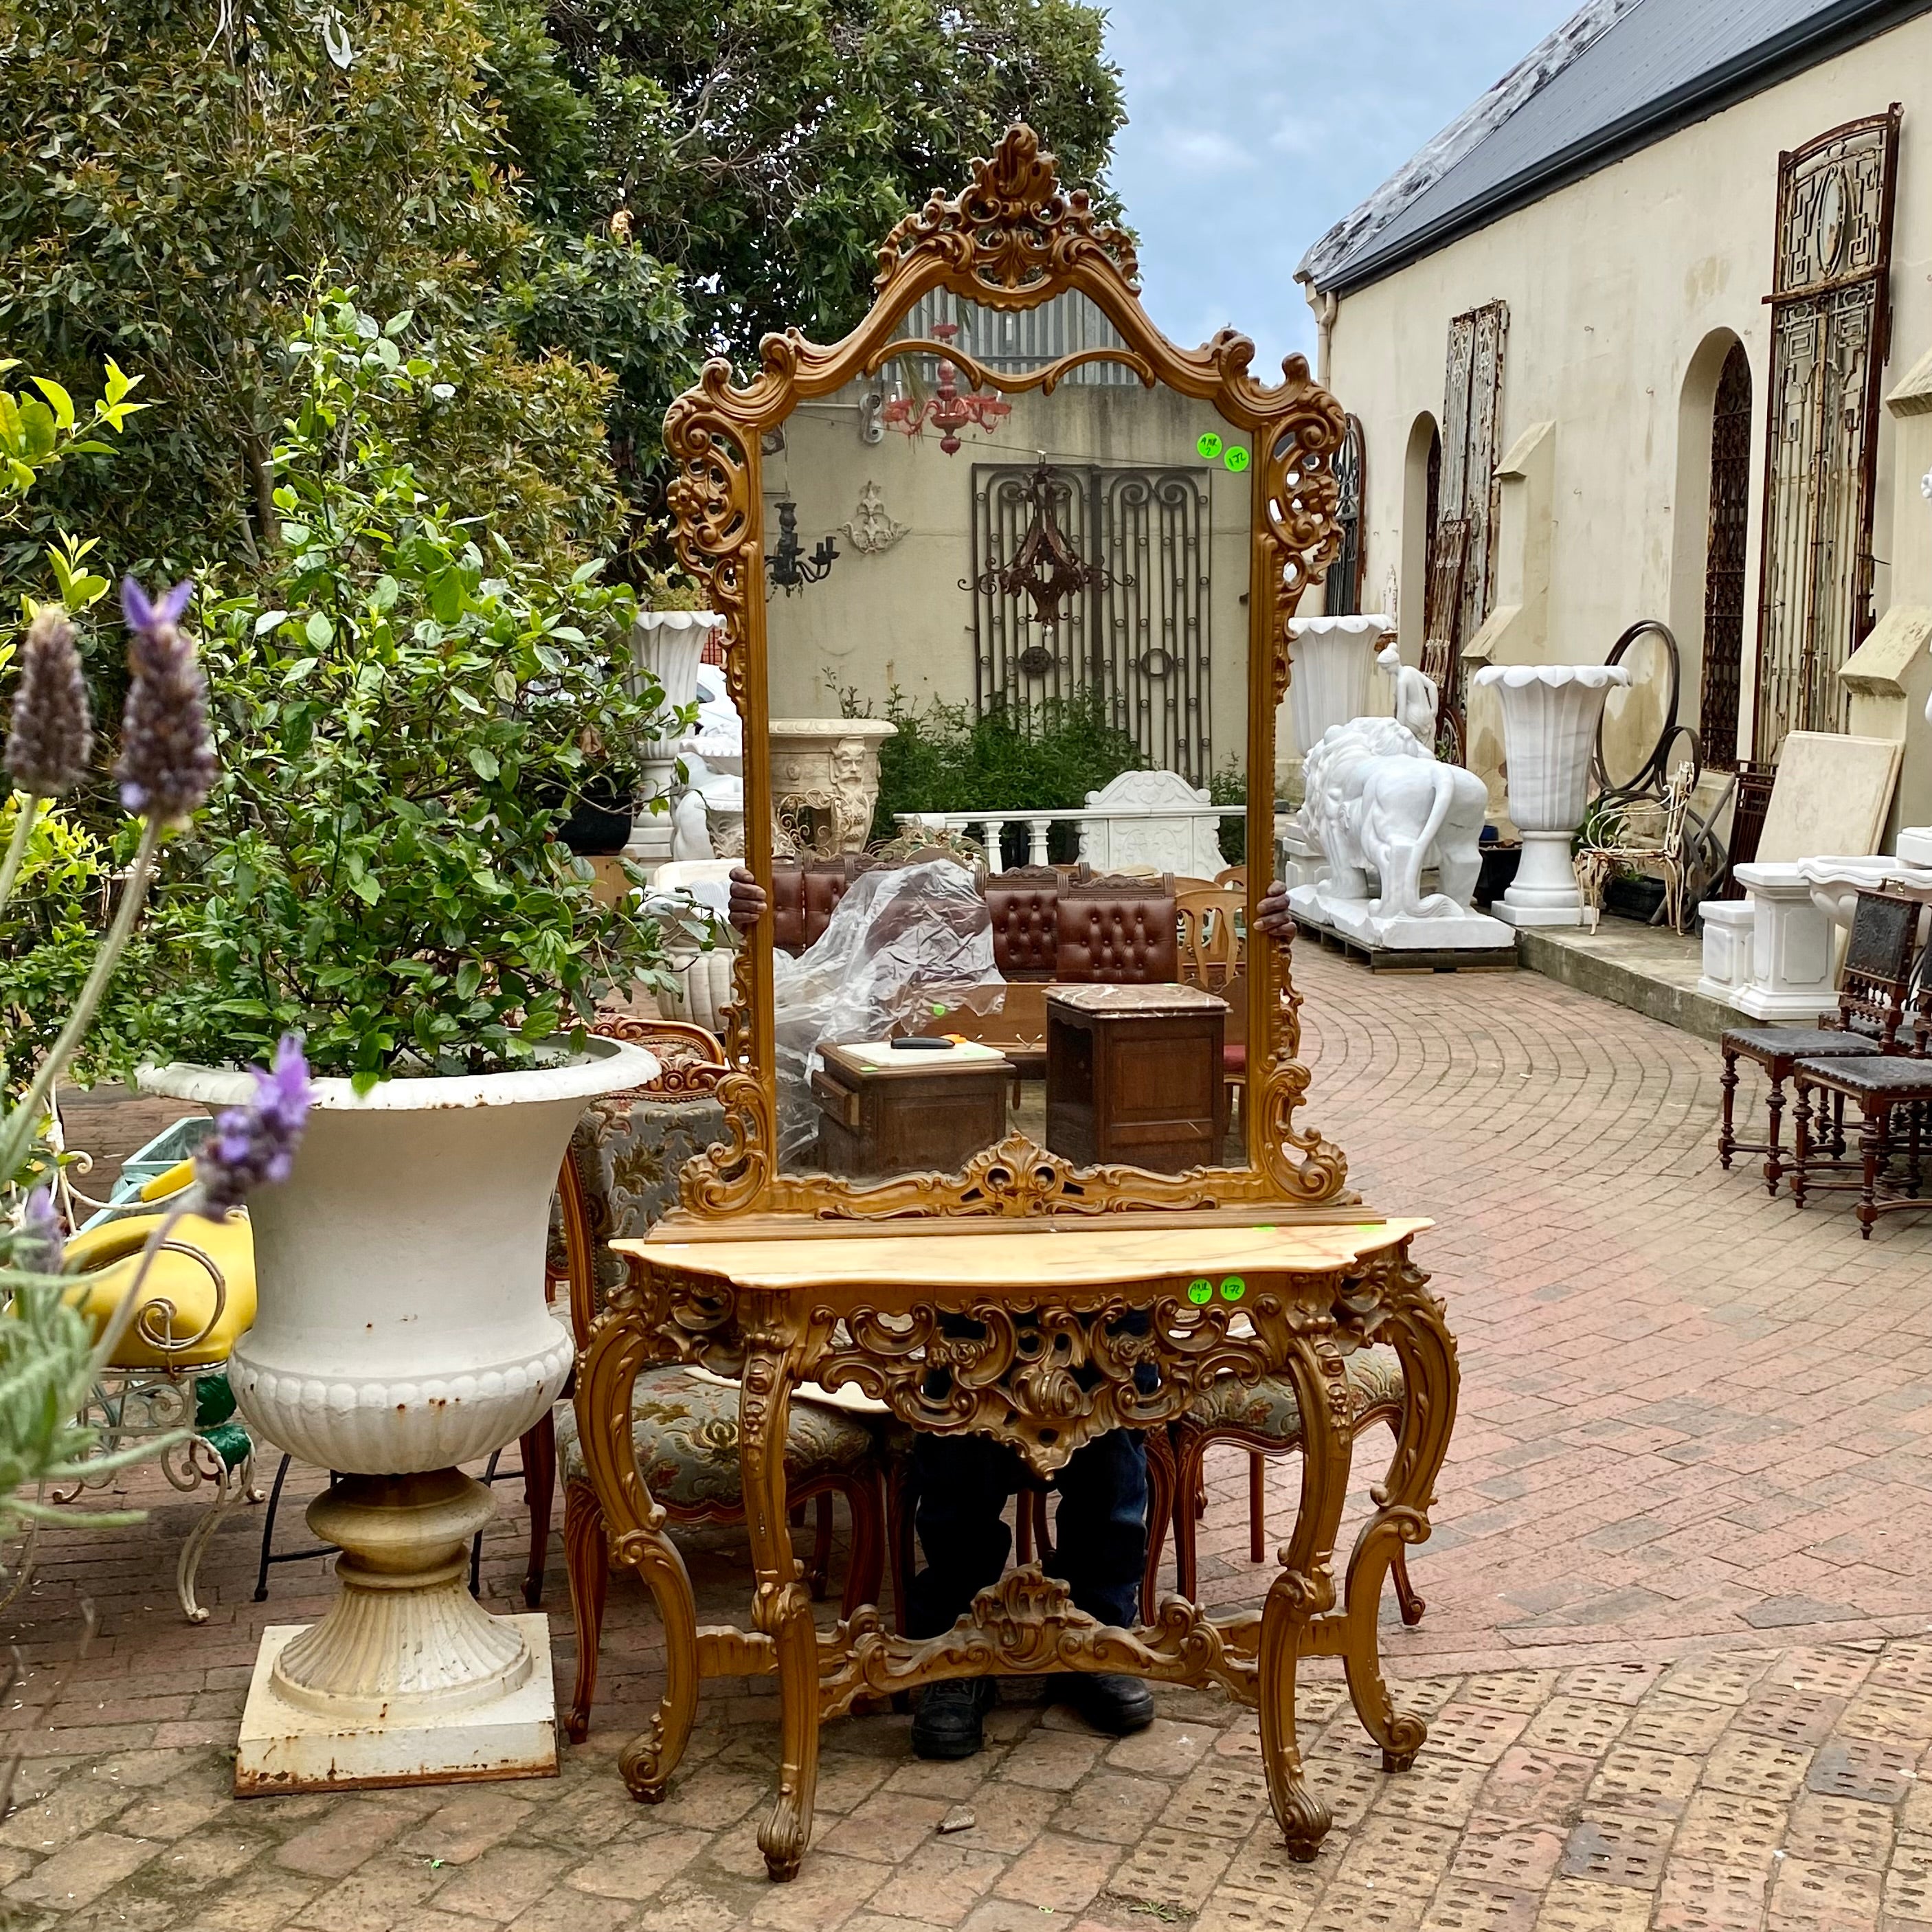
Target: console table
[{"x": 942, "y": 1322}]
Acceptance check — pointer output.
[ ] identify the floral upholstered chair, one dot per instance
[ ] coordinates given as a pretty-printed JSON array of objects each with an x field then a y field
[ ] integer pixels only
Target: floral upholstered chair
[
  {"x": 1265, "y": 1418},
  {"x": 618, "y": 1178}
]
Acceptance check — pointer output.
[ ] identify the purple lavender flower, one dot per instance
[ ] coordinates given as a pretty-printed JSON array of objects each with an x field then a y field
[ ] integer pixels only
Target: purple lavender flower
[
  {"x": 167, "y": 757},
  {"x": 254, "y": 1146},
  {"x": 37, "y": 1242},
  {"x": 49, "y": 737}
]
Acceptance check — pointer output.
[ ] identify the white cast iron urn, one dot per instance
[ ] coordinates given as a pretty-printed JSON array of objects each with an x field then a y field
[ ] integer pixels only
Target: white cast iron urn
[{"x": 401, "y": 1330}]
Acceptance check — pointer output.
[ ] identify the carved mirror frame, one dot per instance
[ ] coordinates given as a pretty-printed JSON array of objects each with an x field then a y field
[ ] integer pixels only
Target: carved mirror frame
[{"x": 1012, "y": 240}]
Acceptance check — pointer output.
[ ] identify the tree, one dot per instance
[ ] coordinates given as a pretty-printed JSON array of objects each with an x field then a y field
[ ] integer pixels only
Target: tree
[
  {"x": 170, "y": 202},
  {"x": 765, "y": 147}
]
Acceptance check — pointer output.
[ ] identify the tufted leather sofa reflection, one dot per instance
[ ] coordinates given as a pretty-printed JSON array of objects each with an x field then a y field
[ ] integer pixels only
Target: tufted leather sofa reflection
[
  {"x": 804, "y": 894},
  {"x": 1024, "y": 907},
  {"x": 1120, "y": 931},
  {"x": 1048, "y": 924}
]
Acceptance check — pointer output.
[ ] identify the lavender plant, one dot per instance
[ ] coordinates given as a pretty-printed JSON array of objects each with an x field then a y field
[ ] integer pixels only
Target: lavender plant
[{"x": 49, "y": 1355}]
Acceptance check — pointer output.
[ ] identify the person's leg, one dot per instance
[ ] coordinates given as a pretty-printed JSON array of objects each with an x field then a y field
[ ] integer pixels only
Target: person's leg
[
  {"x": 1101, "y": 1537},
  {"x": 963, "y": 1483},
  {"x": 1101, "y": 1550}
]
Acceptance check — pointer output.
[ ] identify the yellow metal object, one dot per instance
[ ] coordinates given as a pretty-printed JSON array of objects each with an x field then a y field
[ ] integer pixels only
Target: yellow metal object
[
  {"x": 198, "y": 1297},
  {"x": 169, "y": 1180}
]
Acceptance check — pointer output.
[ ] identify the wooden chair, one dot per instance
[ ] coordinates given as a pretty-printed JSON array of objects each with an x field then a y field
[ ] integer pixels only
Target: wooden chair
[
  {"x": 1212, "y": 955},
  {"x": 620, "y": 1177},
  {"x": 1266, "y": 1419},
  {"x": 1874, "y": 986},
  {"x": 1880, "y": 1083}
]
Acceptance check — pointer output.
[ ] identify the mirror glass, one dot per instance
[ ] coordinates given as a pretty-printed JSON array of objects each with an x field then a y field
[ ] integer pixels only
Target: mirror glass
[{"x": 1007, "y": 651}]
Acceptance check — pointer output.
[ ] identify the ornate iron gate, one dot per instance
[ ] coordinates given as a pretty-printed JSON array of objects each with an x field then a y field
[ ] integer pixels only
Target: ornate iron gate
[
  {"x": 1829, "y": 320},
  {"x": 1471, "y": 421},
  {"x": 1724, "y": 562},
  {"x": 1343, "y": 586},
  {"x": 1139, "y": 640}
]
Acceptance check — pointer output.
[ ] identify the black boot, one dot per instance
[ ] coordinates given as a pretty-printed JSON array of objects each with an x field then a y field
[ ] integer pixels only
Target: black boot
[
  {"x": 1116, "y": 1706},
  {"x": 950, "y": 1720}
]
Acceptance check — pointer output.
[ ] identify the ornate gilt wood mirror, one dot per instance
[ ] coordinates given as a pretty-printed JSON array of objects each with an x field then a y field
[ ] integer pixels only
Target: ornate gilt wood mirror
[{"x": 1006, "y": 503}]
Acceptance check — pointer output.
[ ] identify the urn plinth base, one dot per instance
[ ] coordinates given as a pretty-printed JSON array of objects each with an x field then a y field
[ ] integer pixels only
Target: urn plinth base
[
  {"x": 1544, "y": 892},
  {"x": 407, "y": 1677},
  {"x": 284, "y": 1748}
]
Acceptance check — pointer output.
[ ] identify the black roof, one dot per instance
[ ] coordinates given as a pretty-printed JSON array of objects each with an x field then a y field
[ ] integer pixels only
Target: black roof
[{"x": 1660, "y": 66}]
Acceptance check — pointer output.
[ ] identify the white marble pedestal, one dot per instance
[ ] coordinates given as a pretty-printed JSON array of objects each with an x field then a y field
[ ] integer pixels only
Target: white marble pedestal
[
  {"x": 1727, "y": 947},
  {"x": 1460, "y": 930},
  {"x": 1791, "y": 946}
]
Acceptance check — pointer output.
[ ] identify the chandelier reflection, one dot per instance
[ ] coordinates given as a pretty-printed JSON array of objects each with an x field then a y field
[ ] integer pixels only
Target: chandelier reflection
[
  {"x": 791, "y": 569},
  {"x": 1046, "y": 569},
  {"x": 948, "y": 411}
]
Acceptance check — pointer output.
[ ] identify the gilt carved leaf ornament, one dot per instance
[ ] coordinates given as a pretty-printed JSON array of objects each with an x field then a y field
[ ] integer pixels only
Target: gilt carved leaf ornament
[{"x": 1013, "y": 239}]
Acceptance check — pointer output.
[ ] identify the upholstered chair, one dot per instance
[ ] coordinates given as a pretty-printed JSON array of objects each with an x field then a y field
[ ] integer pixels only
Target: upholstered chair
[
  {"x": 620, "y": 1177},
  {"x": 1264, "y": 1418}
]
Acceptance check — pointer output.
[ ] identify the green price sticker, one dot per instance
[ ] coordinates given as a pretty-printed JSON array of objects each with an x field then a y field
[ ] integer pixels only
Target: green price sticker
[
  {"x": 1209, "y": 445},
  {"x": 1233, "y": 1288},
  {"x": 1200, "y": 1292},
  {"x": 1236, "y": 459}
]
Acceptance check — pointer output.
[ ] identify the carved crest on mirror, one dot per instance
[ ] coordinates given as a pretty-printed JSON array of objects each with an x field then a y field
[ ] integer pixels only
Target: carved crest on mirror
[{"x": 1012, "y": 242}]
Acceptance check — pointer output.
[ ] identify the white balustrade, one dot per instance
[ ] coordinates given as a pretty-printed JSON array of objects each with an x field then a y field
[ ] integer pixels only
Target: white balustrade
[{"x": 986, "y": 826}]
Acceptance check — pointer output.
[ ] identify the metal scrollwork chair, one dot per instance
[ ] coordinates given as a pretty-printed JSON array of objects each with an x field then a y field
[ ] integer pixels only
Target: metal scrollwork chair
[
  {"x": 618, "y": 1178},
  {"x": 169, "y": 1371},
  {"x": 1637, "y": 834},
  {"x": 1265, "y": 1418},
  {"x": 1654, "y": 813}
]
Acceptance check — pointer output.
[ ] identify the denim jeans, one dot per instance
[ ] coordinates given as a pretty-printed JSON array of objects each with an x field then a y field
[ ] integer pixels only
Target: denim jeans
[{"x": 963, "y": 1483}]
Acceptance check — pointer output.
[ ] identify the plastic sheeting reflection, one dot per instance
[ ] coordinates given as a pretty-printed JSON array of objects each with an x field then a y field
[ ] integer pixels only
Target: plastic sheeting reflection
[{"x": 904, "y": 943}]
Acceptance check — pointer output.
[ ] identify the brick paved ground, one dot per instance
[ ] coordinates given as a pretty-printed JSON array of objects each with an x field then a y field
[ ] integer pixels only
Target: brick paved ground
[{"x": 1679, "y": 1522}]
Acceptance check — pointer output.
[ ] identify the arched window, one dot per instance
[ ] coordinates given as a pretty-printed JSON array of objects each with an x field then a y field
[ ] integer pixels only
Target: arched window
[
  {"x": 1421, "y": 497},
  {"x": 1724, "y": 560},
  {"x": 1344, "y": 581}
]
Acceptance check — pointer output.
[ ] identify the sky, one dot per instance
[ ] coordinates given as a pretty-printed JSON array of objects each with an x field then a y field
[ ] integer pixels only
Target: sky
[{"x": 1253, "y": 125}]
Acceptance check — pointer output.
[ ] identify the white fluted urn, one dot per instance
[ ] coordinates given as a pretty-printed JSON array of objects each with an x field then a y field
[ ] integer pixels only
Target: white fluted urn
[
  {"x": 669, "y": 644},
  {"x": 1550, "y": 716},
  {"x": 401, "y": 1330},
  {"x": 1330, "y": 661}
]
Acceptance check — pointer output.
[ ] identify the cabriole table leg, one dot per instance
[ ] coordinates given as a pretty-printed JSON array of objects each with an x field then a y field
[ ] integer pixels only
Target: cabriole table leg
[
  {"x": 607, "y": 1378},
  {"x": 1303, "y": 1590},
  {"x": 780, "y": 1606},
  {"x": 1412, "y": 1320}
]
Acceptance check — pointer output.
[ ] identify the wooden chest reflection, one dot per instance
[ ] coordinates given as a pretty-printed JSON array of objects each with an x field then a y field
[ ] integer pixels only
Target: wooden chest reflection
[
  {"x": 888, "y": 1110},
  {"x": 1135, "y": 1074}
]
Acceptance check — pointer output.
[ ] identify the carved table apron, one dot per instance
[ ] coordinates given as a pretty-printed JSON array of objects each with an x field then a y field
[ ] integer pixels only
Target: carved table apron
[{"x": 1045, "y": 1368}]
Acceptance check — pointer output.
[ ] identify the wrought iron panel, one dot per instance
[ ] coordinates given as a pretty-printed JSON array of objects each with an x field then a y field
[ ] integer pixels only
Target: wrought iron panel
[
  {"x": 1343, "y": 584},
  {"x": 1471, "y": 422},
  {"x": 1139, "y": 641},
  {"x": 1829, "y": 313},
  {"x": 1724, "y": 562}
]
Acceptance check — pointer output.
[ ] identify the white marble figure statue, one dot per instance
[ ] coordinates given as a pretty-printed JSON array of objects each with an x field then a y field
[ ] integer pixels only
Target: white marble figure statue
[
  {"x": 1382, "y": 805},
  {"x": 707, "y": 816}
]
